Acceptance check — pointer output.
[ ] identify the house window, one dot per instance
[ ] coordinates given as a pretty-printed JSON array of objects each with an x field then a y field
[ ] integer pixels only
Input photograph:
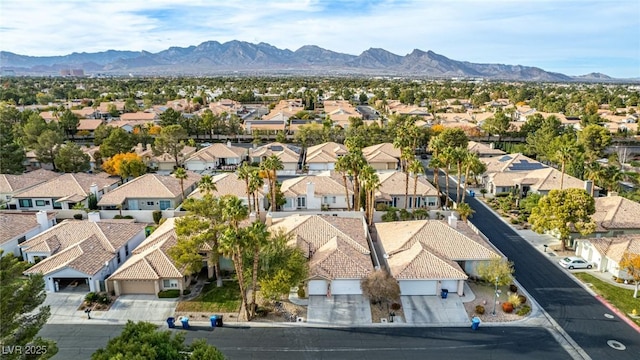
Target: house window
[
  {"x": 394, "y": 202},
  {"x": 118, "y": 256},
  {"x": 168, "y": 284},
  {"x": 302, "y": 202},
  {"x": 431, "y": 202},
  {"x": 329, "y": 199},
  {"x": 150, "y": 203},
  {"x": 39, "y": 202},
  {"x": 26, "y": 203},
  {"x": 22, "y": 239},
  {"x": 165, "y": 204},
  {"x": 126, "y": 249},
  {"x": 57, "y": 205}
]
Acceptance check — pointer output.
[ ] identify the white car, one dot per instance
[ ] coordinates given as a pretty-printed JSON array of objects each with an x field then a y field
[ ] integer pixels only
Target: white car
[{"x": 574, "y": 262}]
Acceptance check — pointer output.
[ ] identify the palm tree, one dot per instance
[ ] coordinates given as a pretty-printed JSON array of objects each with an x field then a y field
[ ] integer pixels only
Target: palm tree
[
  {"x": 371, "y": 182},
  {"x": 470, "y": 161},
  {"x": 458, "y": 156},
  {"x": 356, "y": 162},
  {"x": 207, "y": 186},
  {"x": 436, "y": 145},
  {"x": 406, "y": 155},
  {"x": 255, "y": 184},
  {"x": 435, "y": 163},
  {"x": 446, "y": 157},
  {"x": 244, "y": 173},
  {"x": 257, "y": 235},
  {"x": 270, "y": 165},
  {"x": 613, "y": 176},
  {"x": 416, "y": 168},
  {"x": 465, "y": 211},
  {"x": 342, "y": 167},
  {"x": 595, "y": 172},
  {"x": 181, "y": 174},
  {"x": 564, "y": 154}
]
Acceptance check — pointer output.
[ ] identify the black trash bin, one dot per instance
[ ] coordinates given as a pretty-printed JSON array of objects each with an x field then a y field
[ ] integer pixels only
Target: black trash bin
[
  {"x": 171, "y": 322},
  {"x": 219, "y": 321},
  {"x": 444, "y": 293}
]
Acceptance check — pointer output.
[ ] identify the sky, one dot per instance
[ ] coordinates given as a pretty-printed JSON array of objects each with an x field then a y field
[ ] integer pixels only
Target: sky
[{"x": 573, "y": 37}]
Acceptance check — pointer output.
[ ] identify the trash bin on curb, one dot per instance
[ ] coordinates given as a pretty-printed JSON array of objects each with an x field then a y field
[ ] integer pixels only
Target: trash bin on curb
[
  {"x": 185, "y": 322},
  {"x": 171, "y": 322},
  {"x": 475, "y": 323},
  {"x": 214, "y": 320},
  {"x": 444, "y": 293},
  {"x": 472, "y": 193},
  {"x": 219, "y": 321}
]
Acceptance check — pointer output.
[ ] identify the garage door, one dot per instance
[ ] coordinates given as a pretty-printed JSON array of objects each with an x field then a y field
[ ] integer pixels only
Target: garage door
[
  {"x": 345, "y": 287},
  {"x": 317, "y": 287},
  {"x": 137, "y": 287},
  {"x": 418, "y": 287}
]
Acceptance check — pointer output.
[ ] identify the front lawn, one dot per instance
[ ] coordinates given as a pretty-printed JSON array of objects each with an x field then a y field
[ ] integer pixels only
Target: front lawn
[
  {"x": 620, "y": 298},
  {"x": 213, "y": 299}
]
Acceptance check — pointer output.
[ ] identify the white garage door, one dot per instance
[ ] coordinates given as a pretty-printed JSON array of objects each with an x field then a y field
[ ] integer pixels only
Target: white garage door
[
  {"x": 418, "y": 287},
  {"x": 137, "y": 287},
  {"x": 195, "y": 165},
  {"x": 317, "y": 287},
  {"x": 451, "y": 285},
  {"x": 345, "y": 287}
]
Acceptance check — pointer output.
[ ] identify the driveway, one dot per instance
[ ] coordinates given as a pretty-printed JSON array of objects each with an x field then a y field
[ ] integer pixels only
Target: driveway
[
  {"x": 434, "y": 310},
  {"x": 345, "y": 310},
  {"x": 64, "y": 307}
]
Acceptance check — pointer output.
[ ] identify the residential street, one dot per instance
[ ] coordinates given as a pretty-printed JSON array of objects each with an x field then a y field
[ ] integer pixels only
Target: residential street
[
  {"x": 80, "y": 341},
  {"x": 574, "y": 309}
]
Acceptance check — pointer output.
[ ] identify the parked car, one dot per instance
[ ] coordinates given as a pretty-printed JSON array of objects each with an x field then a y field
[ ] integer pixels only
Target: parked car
[{"x": 574, "y": 262}]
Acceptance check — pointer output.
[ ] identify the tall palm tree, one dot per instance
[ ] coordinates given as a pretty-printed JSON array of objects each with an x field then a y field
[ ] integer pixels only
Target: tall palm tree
[
  {"x": 470, "y": 162},
  {"x": 342, "y": 166},
  {"x": 255, "y": 185},
  {"x": 206, "y": 185},
  {"x": 435, "y": 163},
  {"x": 595, "y": 172},
  {"x": 181, "y": 174},
  {"x": 257, "y": 236},
  {"x": 465, "y": 211},
  {"x": 406, "y": 155},
  {"x": 416, "y": 168},
  {"x": 270, "y": 165},
  {"x": 446, "y": 157},
  {"x": 371, "y": 182},
  {"x": 563, "y": 155},
  {"x": 244, "y": 173},
  {"x": 457, "y": 155},
  {"x": 436, "y": 145},
  {"x": 613, "y": 176}
]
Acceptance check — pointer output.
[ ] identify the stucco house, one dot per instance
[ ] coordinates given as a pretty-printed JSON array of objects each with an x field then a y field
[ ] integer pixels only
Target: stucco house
[
  {"x": 229, "y": 184},
  {"x": 81, "y": 253},
  {"x": 383, "y": 156},
  {"x": 13, "y": 184},
  {"x": 324, "y": 156},
  {"x": 426, "y": 256},
  {"x": 316, "y": 192},
  {"x": 614, "y": 216},
  {"x": 150, "y": 269},
  {"x": 288, "y": 154},
  {"x": 605, "y": 253},
  {"x": 337, "y": 248},
  {"x": 65, "y": 191},
  {"x": 217, "y": 156},
  {"x": 163, "y": 162},
  {"x": 392, "y": 191},
  {"x": 484, "y": 150},
  {"x": 18, "y": 227},
  {"x": 541, "y": 181},
  {"x": 150, "y": 192}
]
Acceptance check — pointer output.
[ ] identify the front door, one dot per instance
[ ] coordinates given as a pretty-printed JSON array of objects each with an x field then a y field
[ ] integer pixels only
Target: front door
[{"x": 133, "y": 204}]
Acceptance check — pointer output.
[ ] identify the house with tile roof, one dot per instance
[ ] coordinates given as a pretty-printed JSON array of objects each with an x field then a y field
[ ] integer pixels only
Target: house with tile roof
[
  {"x": 217, "y": 156},
  {"x": 165, "y": 161},
  {"x": 288, "y": 154},
  {"x": 147, "y": 117},
  {"x": 337, "y": 248},
  {"x": 426, "y": 256},
  {"x": 150, "y": 192},
  {"x": 316, "y": 192},
  {"x": 89, "y": 125},
  {"x": 605, "y": 253},
  {"x": 340, "y": 112},
  {"x": 17, "y": 227},
  {"x": 502, "y": 170},
  {"x": 541, "y": 181},
  {"x": 65, "y": 191},
  {"x": 484, "y": 150},
  {"x": 383, "y": 156},
  {"x": 324, "y": 156},
  {"x": 12, "y": 184},
  {"x": 229, "y": 184},
  {"x": 392, "y": 191},
  {"x": 81, "y": 253},
  {"x": 614, "y": 216},
  {"x": 150, "y": 269}
]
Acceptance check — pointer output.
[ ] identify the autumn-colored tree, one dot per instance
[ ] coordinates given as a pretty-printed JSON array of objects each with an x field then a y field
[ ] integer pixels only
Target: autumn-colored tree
[
  {"x": 631, "y": 264},
  {"x": 114, "y": 165},
  {"x": 496, "y": 271}
]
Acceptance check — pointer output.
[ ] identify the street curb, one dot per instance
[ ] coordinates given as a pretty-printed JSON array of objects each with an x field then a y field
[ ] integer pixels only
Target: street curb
[{"x": 620, "y": 314}]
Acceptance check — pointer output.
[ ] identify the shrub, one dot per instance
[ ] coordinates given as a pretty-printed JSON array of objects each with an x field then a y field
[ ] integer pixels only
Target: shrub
[
  {"x": 619, "y": 280},
  {"x": 104, "y": 299},
  {"x": 523, "y": 299},
  {"x": 301, "y": 293},
  {"x": 118, "y": 216},
  {"x": 514, "y": 299},
  {"x": 395, "y": 306},
  {"x": 507, "y": 307},
  {"x": 513, "y": 288},
  {"x": 515, "y": 221},
  {"x": 524, "y": 310},
  {"x": 127, "y": 217},
  {"x": 479, "y": 309},
  {"x": 91, "y": 297},
  {"x": 77, "y": 216},
  {"x": 502, "y": 194},
  {"x": 157, "y": 215},
  {"x": 173, "y": 293},
  {"x": 186, "y": 292},
  {"x": 381, "y": 207}
]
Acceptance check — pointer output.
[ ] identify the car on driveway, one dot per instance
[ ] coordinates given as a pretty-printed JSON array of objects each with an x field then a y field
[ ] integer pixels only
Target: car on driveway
[{"x": 574, "y": 262}]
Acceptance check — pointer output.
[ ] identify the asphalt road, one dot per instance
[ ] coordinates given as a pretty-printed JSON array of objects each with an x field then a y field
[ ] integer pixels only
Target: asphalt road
[
  {"x": 580, "y": 314},
  {"x": 495, "y": 343}
]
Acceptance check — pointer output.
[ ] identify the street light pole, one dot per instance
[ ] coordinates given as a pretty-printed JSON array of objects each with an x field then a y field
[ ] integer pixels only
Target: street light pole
[{"x": 495, "y": 298}]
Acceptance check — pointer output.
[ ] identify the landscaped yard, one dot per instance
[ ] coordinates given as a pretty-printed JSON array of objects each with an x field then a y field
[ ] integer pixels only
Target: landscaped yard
[
  {"x": 213, "y": 299},
  {"x": 620, "y": 298}
]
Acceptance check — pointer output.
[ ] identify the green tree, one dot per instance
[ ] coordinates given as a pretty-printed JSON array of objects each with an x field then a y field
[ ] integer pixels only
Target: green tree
[
  {"x": 496, "y": 271},
  {"x": 342, "y": 167},
  {"x": 499, "y": 124},
  {"x": 170, "y": 117},
  {"x": 562, "y": 210},
  {"x": 566, "y": 153},
  {"x": 71, "y": 159},
  {"x": 132, "y": 168},
  {"x": 270, "y": 166},
  {"x": 281, "y": 267},
  {"x": 370, "y": 183},
  {"x": 465, "y": 211},
  {"x": 181, "y": 174},
  {"x": 595, "y": 139},
  {"x": 69, "y": 122},
  {"x": 143, "y": 340},
  {"x": 21, "y": 313},
  {"x": 595, "y": 172},
  {"x": 11, "y": 153},
  {"x": 48, "y": 146},
  {"x": 417, "y": 169},
  {"x": 206, "y": 185},
  {"x": 119, "y": 141},
  {"x": 244, "y": 173},
  {"x": 101, "y": 133},
  {"x": 171, "y": 141},
  {"x": 257, "y": 237}
]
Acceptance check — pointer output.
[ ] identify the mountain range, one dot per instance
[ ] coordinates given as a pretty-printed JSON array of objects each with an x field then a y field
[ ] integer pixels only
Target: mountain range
[{"x": 239, "y": 57}]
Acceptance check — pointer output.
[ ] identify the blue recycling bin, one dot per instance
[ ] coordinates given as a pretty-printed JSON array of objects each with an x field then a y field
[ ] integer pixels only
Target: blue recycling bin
[
  {"x": 185, "y": 322},
  {"x": 472, "y": 193},
  {"x": 171, "y": 322},
  {"x": 475, "y": 323},
  {"x": 214, "y": 320},
  {"x": 444, "y": 293}
]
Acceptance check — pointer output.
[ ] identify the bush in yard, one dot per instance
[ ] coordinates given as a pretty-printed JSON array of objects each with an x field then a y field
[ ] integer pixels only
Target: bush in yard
[
  {"x": 186, "y": 292},
  {"x": 165, "y": 294},
  {"x": 91, "y": 297},
  {"x": 479, "y": 309},
  {"x": 514, "y": 299},
  {"x": 103, "y": 298},
  {"x": 77, "y": 216},
  {"x": 157, "y": 215},
  {"x": 507, "y": 307},
  {"x": 524, "y": 310},
  {"x": 513, "y": 288},
  {"x": 523, "y": 299},
  {"x": 395, "y": 306},
  {"x": 301, "y": 292}
]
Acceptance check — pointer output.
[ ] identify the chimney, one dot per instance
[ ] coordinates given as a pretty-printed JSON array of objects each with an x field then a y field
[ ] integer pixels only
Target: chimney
[
  {"x": 43, "y": 220},
  {"x": 588, "y": 185},
  {"x": 311, "y": 191},
  {"x": 492, "y": 145},
  {"x": 453, "y": 220},
  {"x": 94, "y": 216},
  {"x": 228, "y": 143}
]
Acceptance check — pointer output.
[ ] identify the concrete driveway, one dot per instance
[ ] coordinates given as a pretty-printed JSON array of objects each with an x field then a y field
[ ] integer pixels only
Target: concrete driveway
[
  {"x": 343, "y": 310},
  {"x": 435, "y": 310}
]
